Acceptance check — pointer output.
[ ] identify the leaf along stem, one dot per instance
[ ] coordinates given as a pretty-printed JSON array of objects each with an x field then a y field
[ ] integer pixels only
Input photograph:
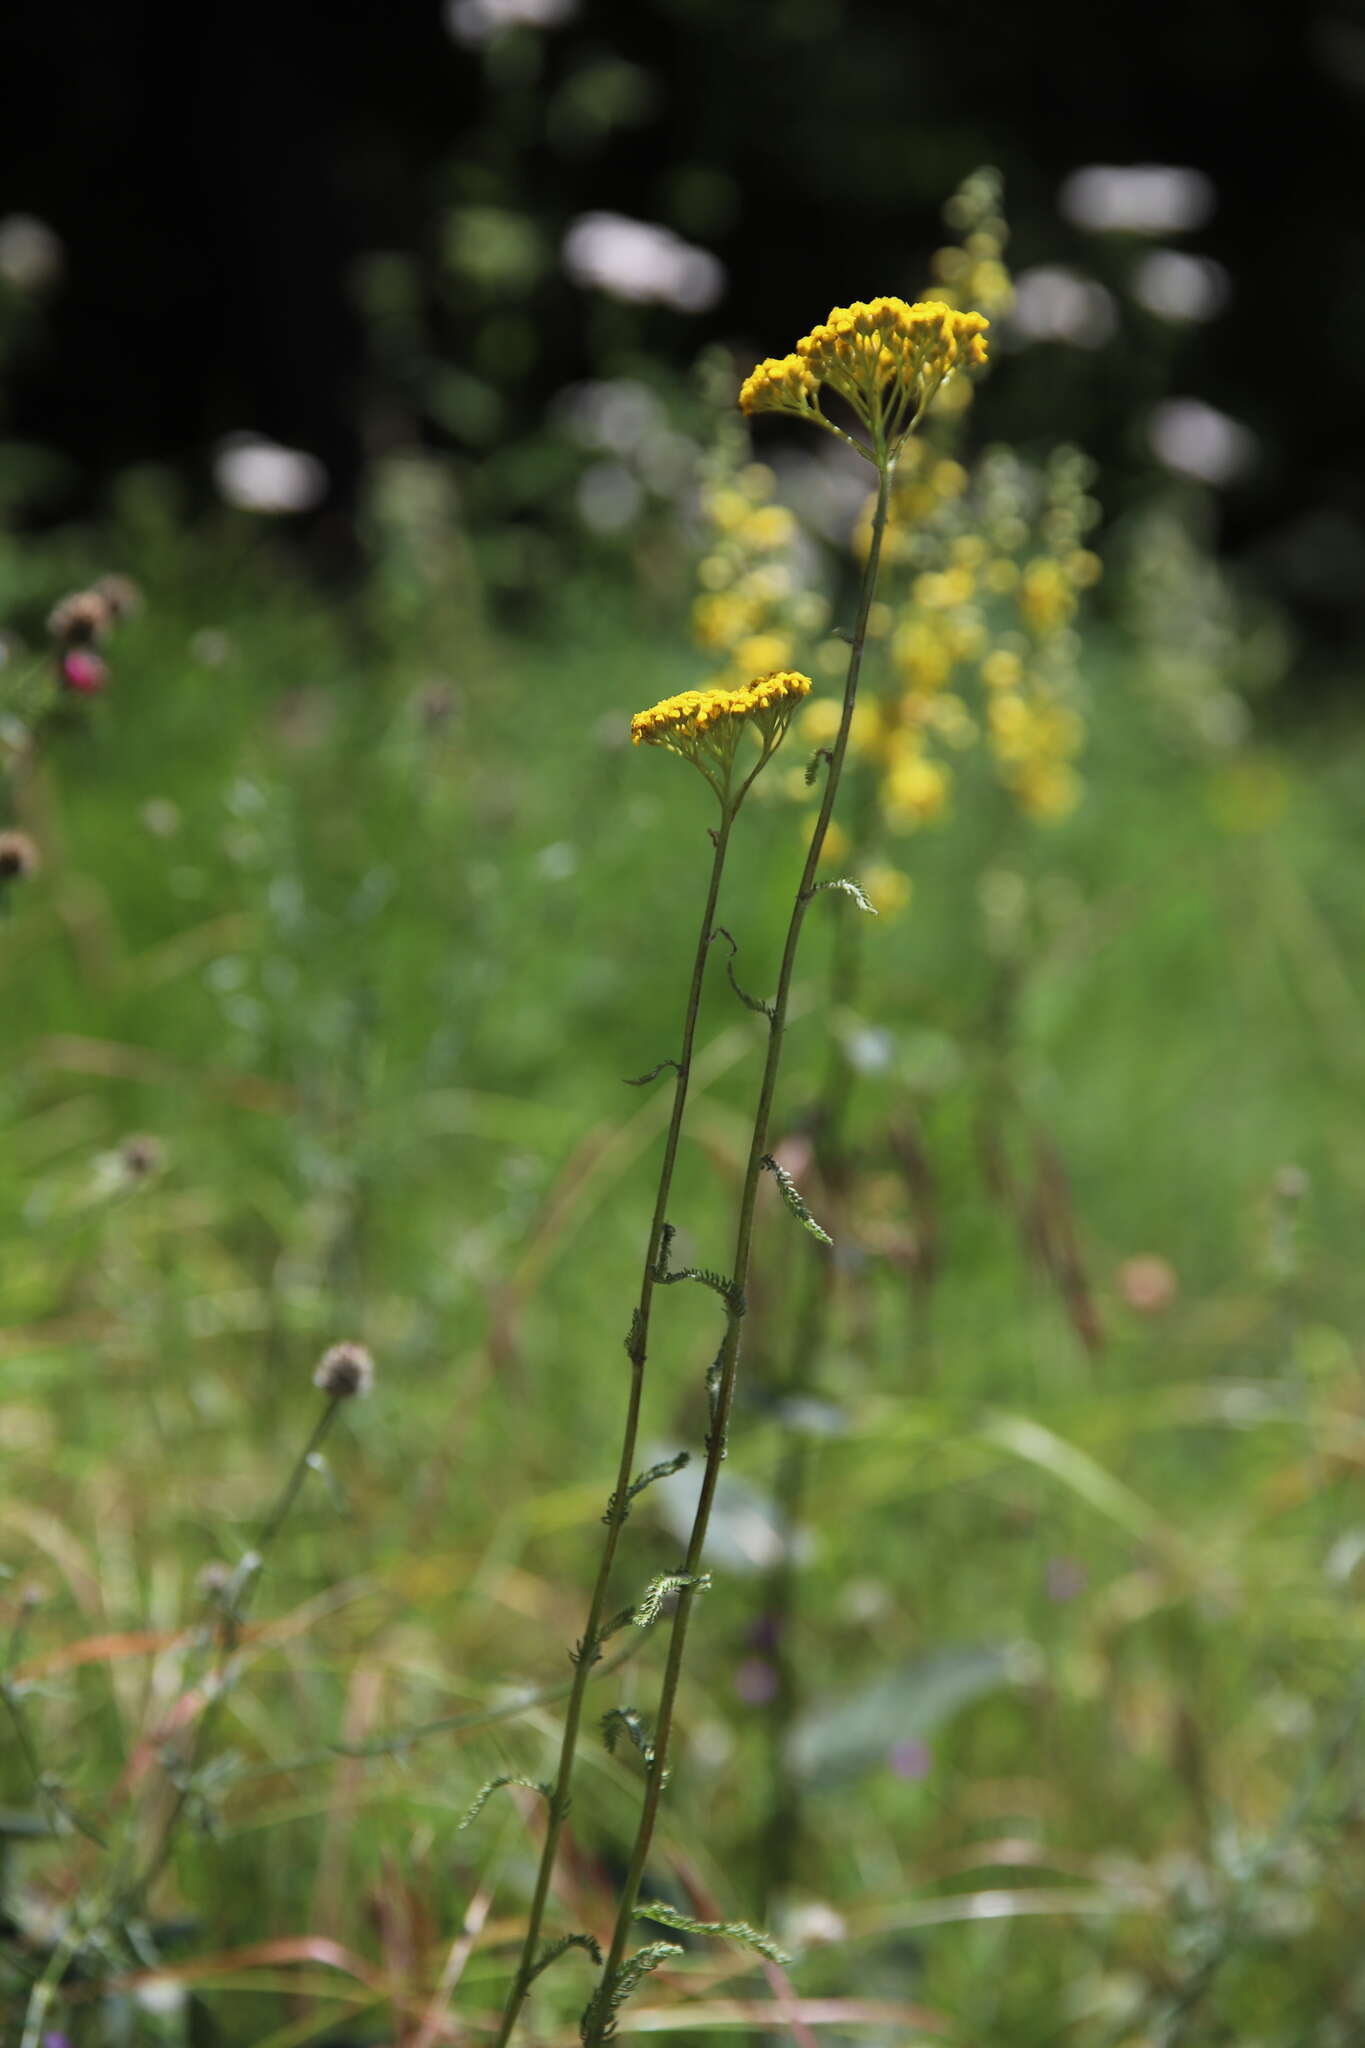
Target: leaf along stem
[
  {"x": 590, "y": 1643},
  {"x": 594, "y": 2033}
]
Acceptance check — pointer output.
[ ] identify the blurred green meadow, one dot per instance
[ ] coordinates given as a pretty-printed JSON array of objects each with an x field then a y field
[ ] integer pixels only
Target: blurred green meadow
[{"x": 1040, "y": 1722}]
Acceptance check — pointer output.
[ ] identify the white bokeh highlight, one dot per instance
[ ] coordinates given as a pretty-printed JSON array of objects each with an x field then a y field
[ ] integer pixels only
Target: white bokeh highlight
[{"x": 642, "y": 263}]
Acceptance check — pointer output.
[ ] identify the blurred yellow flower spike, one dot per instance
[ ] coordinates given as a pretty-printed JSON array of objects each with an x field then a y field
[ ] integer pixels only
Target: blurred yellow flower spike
[
  {"x": 887, "y": 889},
  {"x": 753, "y": 611}
]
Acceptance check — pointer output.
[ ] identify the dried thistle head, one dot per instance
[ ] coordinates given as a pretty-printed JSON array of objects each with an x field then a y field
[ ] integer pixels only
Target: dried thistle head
[
  {"x": 83, "y": 617},
  {"x": 141, "y": 1156},
  {"x": 344, "y": 1371},
  {"x": 121, "y": 597},
  {"x": 18, "y": 857},
  {"x": 213, "y": 1581}
]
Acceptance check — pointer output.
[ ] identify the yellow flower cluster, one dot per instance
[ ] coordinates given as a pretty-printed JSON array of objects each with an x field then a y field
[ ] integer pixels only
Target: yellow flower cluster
[
  {"x": 1037, "y": 526},
  {"x": 885, "y": 358},
  {"x": 996, "y": 566},
  {"x": 705, "y": 726},
  {"x": 972, "y": 270},
  {"x": 751, "y": 612}
]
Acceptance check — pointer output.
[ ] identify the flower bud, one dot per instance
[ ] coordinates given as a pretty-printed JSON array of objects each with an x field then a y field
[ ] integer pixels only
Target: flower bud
[
  {"x": 84, "y": 671},
  {"x": 18, "y": 857},
  {"x": 345, "y": 1370}
]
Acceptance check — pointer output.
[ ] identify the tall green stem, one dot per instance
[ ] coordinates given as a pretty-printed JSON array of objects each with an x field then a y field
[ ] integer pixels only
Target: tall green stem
[
  {"x": 600, "y": 2011},
  {"x": 589, "y": 1648},
  {"x": 781, "y": 1594}
]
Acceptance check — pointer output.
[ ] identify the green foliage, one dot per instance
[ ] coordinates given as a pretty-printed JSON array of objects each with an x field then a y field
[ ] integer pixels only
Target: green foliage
[
  {"x": 485, "y": 1793},
  {"x": 650, "y": 1604},
  {"x": 311, "y": 925},
  {"x": 630, "y": 1722},
  {"x": 617, "y": 1510},
  {"x": 842, "y": 1738},
  {"x": 719, "y": 1283},
  {"x": 794, "y": 1200},
  {"x": 604, "y": 2006},
  {"x": 728, "y": 1930},
  {"x": 553, "y": 1950},
  {"x": 754, "y": 1003},
  {"x": 847, "y": 888}
]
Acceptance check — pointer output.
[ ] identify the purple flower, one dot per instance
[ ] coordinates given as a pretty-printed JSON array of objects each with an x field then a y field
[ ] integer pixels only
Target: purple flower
[
  {"x": 84, "y": 672},
  {"x": 1065, "y": 1578},
  {"x": 911, "y": 1759},
  {"x": 756, "y": 1681},
  {"x": 765, "y": 1631}
]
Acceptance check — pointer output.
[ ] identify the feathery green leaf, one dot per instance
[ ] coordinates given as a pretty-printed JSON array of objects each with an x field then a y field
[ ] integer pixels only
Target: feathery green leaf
[
  {"x": 553, "y": 1950},
  {"x": 496, "y": 1784},
  {"x": 847, "y": 888},
  {"x": 794, "y": 1199},
  {"x": 730, "y": 1930},
  {"x": 650, "y": 1604},
  {"x": 609, "y": 1997},
  {"x": 632, "y": 1722}
]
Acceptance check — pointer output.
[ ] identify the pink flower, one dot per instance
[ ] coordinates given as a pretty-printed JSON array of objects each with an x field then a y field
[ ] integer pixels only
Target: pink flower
[
  {"x": 911, "y": 1759},
  {"x": 84, "y": 671},
  {"x": 1065, "y": 1578},
  {"x": 1148, "y": 1284}
]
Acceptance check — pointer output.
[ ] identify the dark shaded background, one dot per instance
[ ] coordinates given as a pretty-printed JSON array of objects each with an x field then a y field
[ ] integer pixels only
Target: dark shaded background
[{"x": 218, "y": 173}]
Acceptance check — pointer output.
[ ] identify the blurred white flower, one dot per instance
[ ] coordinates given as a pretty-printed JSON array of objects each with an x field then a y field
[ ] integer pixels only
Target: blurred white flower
[
  {"x": 1196, "y": 440},
  {"x": 643, "y": 263},
  {"x": 556, "y": 863},
  {"x": 161, "y": 1996},
  {"x": 1180, "y": 287},
  {"x": 257, "y": 475},
  {"x": 618, "y": 413},
  {"x": 813, "y": 1925},
  {"x": 1052, "y": 303},
  {"x": 31, "y": 255},
  {"x": 609, "y": 497},
  {"x": 474, "y": 21},
  {"x": 1138, "y": 199}
]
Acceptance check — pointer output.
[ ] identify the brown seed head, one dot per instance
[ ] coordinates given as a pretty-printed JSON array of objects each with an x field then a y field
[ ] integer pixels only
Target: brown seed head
[
  {"x": 121, "y": 596},
  {"x": 1148, "y": 1284},
  {"x": 18, "y": 857},
  {"x": 214, "y": 1580},
  {"x": 345, "y": 1370},
  {"x": 84, "y": 616},
  {"x": 142, "y": 1156}
]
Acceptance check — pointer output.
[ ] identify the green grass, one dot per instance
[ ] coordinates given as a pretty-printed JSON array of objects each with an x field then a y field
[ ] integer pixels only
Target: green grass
[{"x": 376, "y": 992}]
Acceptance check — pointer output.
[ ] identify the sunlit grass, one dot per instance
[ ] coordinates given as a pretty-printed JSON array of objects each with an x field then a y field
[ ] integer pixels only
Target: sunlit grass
[{"x": 375, "y": 987}]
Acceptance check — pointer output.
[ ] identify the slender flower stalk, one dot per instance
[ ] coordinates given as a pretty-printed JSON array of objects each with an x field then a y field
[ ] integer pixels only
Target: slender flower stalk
[
  {"x": 886, "y": 360},
  {"x": 343, "y": 1372},
  {"x": 706, "y": 728}
]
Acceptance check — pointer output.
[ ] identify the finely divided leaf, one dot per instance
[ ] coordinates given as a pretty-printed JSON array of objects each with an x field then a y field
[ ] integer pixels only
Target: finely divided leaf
[
  {"x": 795, "y": 1200},
  {"x": 495, "y": 1785},
  {"x": 728, "y": 1930}
]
